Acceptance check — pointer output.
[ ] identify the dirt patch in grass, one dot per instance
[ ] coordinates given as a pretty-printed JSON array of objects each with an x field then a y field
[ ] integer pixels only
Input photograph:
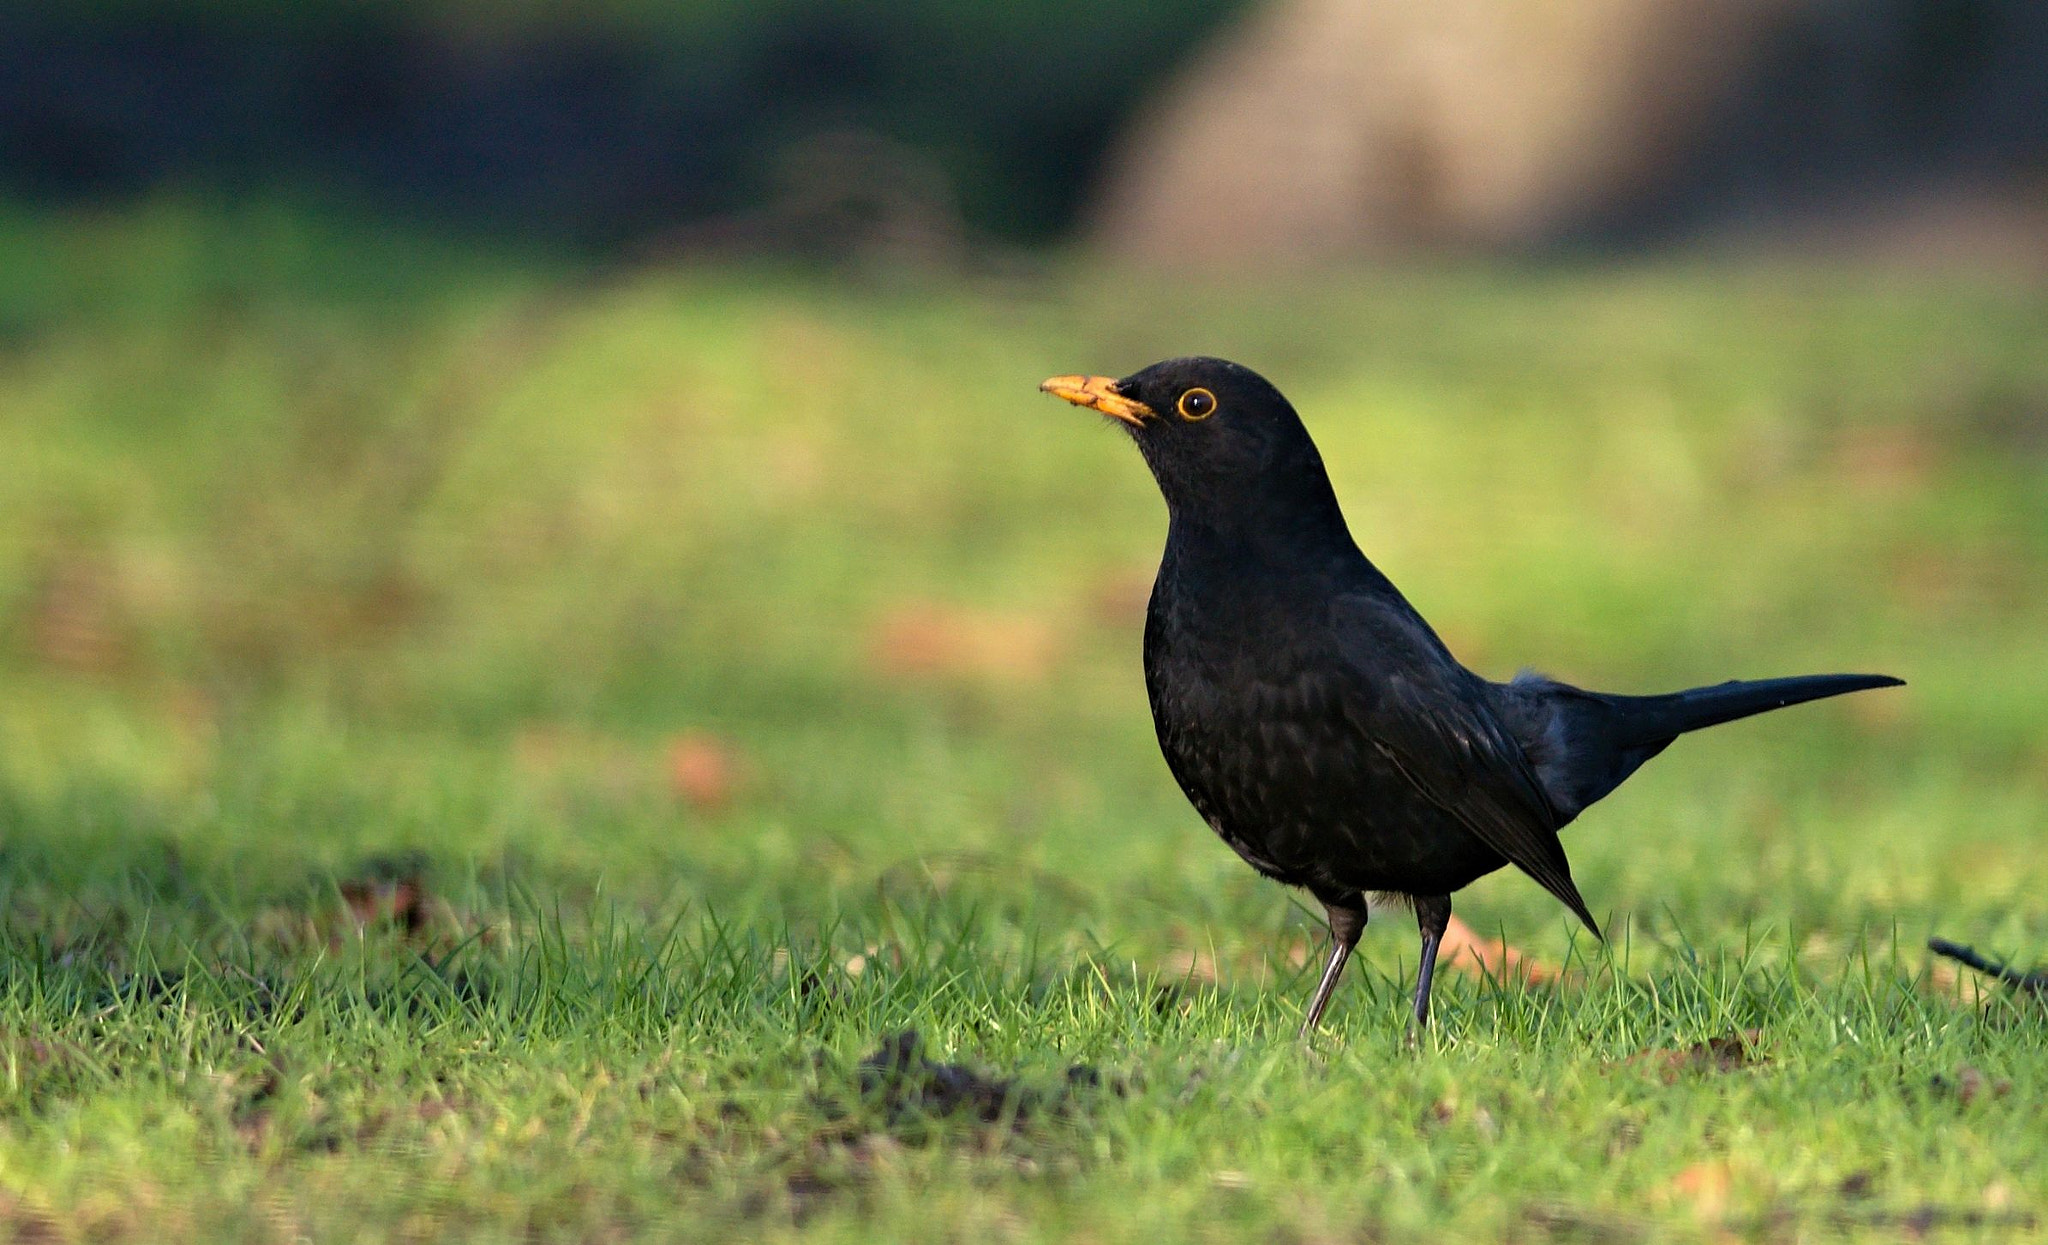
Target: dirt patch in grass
[
  {"x": 906, "y": 1085},
  {"x": 1722, "y": 1053},
  {"x": 904, "y": 1099},
  {"x": 1967, "y": 1085}
]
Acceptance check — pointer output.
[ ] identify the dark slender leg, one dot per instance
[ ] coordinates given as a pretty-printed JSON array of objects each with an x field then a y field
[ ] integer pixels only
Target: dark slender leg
[
  {"x": 1347, "y": 922},
  {"x": 1433, "y": 914}
]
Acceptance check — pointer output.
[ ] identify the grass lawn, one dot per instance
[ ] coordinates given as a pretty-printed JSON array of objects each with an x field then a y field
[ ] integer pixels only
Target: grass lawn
[{"x": 492, "y": 750}]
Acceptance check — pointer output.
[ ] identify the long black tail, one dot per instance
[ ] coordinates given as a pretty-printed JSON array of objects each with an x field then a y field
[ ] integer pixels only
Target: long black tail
[
  {"x": 1584, "y": 744},
  {"x": 1640, "y": 720}
]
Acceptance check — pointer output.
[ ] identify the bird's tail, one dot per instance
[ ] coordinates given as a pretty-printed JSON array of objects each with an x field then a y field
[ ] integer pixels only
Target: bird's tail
[
  {"x": 1585, "y": 744},
  {"x": 1644, "y": 720}
]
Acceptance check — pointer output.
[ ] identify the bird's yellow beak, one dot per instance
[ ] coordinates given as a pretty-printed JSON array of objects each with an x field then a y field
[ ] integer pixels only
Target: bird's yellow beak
[{"x": 1100, "y": 393}]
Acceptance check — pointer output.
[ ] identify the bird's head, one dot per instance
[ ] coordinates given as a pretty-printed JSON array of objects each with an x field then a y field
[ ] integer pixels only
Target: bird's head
[{"x": 1218, "y": 436}]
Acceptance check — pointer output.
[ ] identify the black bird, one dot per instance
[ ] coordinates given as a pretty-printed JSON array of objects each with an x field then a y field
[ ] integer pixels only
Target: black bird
[{"x": 1310, "y": 714}]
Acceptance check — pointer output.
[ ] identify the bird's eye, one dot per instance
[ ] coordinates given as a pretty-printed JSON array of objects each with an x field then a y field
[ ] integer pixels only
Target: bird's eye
[{"x": 1197, "y": 404}]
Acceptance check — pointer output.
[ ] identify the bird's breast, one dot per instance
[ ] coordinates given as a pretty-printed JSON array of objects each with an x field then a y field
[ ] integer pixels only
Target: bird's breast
[
  {"x": 1263, "y": 731},
  {"x": 1252, "y": 727}
]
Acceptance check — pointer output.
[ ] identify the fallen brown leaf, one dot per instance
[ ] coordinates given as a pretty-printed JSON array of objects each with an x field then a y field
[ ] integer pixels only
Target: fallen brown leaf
[
  {"x": 704, "y": 771},
  {"x": 924, "y": 639},
  {"x": 1704, "y": 1187},
  {"x": 1463, "y": 949},
  {"x": 388, "y": 888},
  {"x": 372, "y": 901}
]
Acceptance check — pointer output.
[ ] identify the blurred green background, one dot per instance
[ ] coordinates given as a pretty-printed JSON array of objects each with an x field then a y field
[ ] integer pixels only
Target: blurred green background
[{"x": 325, "y": 542}]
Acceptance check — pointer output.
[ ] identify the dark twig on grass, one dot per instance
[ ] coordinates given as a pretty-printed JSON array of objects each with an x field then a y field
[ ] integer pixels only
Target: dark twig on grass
[{"x": 2035, "y": 982}]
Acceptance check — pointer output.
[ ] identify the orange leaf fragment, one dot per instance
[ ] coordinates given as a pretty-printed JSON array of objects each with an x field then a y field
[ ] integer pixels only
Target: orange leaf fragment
[
  {"x": 927, "y": 638},
  {"x": 704, "y": 771},
  {"x": 1464, "y": 949}
]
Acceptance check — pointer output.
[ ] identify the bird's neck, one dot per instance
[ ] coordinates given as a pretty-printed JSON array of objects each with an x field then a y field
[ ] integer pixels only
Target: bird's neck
[{"x": 1289, "y": 528}]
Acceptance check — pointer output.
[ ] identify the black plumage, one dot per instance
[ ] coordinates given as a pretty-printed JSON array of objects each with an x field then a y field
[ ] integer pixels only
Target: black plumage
[{"x": 1313, "y": 718}]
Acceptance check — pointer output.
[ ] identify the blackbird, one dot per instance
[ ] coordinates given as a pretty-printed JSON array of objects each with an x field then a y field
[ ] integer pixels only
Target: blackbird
[{"x": 1312, "y": 717}]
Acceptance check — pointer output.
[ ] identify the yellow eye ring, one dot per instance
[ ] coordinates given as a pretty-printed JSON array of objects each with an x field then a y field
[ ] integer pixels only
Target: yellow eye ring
[{"x": 1196, "y": 404}]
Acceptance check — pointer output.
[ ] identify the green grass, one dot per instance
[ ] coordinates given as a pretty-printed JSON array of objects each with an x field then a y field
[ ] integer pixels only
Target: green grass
[{"x": 335, "y": 564}]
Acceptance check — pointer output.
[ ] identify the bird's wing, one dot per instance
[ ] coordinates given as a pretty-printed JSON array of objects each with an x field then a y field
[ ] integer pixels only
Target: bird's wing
[{"x": 1428, "y": 717}]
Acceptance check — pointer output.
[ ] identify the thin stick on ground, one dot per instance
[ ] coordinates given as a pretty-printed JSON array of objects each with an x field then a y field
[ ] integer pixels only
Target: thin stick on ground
[{"x": 2035, "y": 982}]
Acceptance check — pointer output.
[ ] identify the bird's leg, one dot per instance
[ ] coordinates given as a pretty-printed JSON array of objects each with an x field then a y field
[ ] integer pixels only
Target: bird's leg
[
  {"x": 1433, "y": 915},
  {"x": 1347, "y": 922}
]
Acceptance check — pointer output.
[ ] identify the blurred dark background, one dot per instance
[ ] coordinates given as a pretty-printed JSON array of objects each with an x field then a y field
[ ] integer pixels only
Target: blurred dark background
[
  {"x": 598, "y": 125},
  {"x": 1234, "y": 129}
]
